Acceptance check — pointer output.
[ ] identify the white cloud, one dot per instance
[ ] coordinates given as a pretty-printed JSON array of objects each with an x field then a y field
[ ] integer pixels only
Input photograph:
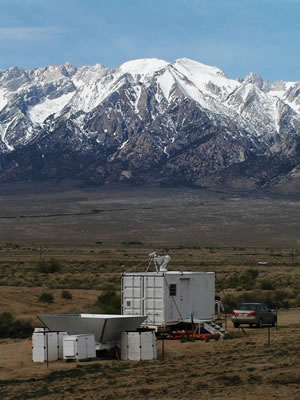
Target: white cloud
[{"x": 28, "y": 33}]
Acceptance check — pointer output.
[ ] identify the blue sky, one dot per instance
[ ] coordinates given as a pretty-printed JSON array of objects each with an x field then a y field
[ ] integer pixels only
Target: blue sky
[{"x": 239, "y": 36}]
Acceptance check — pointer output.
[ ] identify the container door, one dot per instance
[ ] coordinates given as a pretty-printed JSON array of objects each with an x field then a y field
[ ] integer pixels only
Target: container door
[
  {"x": 124, "y": 346},
  {"x": 81, "y": 347},
  {"x": 60, "y": 344},
  {"x": 39, "y": 347},
  {"x": 148, "y": 352},
  {"x": 185, "y": 298},
  {"x": 132, "y": 295},
  {"x": 153, "y": 300},
  {"x": 91, "y": 347},
  {"x": 69, "y": 348},
  {"x": 134, "y": 346},
  {"x": 203, "y": 295},
  {"x": 52, "y": 343}
]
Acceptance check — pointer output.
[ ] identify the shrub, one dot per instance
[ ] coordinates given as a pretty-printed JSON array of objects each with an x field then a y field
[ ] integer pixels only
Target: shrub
[
  {"x": 46, "y": 297},
  {"x": 273, "y": 299},
  {"x": 65, "y": 294},
  {"x": 255, "y": 379},
  {"x": 245, "y": 280},
  {"x": 232, "y": 380},
  {"x": 109, "y": 303},
  {"x": 234, "y": 280},
  {"x": 132, "y": 243},
  {"x": 14, "y": 328},
  {"x": 253, "y": 273},
  {"x": 144, "y": 391},
  {"x": 6, "y": 317},
  {"x": 281, "y": 299},
  {"x": 231, "y": 335},
  {"x": 230, "y": 301},
  {"x": 285, "y": 379},
  {"x": 50, "y": 266},
  {"x": 266, "y": 285}
]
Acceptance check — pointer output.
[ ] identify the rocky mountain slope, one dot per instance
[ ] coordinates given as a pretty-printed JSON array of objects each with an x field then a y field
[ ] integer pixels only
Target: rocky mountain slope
[{"x": 181, "y": 122}]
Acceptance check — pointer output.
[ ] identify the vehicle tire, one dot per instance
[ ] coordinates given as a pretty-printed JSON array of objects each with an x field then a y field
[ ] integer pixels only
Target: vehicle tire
[
  {"x": 250, "y": 325},
  {"x": 260, "y": 323},
  {"x": 236, "y": 325},
  {"x": 273, "y": 322}
]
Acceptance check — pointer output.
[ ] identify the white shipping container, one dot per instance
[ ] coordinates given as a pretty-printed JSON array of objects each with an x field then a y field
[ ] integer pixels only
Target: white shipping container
[
  {"x": 169, "y": 297},
  {"x": 138, "y": 346},
  {"x": 47, "y": 346},
  {"x": 79, "y": 347}
]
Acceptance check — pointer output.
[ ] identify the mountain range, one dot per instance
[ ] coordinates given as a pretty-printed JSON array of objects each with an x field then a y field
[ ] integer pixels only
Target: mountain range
[{"x": 149, "y": 120}]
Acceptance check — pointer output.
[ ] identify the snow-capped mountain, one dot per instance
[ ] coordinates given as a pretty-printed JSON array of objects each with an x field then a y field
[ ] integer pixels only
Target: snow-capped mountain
[{"x": 148, "y": 120}]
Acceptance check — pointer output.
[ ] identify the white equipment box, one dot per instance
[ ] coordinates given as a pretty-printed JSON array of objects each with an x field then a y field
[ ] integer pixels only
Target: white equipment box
[
  {"x": 138, "y": 346},
  {"x": 79, "y": 347},
  {"x": 169, "y": 297},
  {"x": 47, "y": 346}
]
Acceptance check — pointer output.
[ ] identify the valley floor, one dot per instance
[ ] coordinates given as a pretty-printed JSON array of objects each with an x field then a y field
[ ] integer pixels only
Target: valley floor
[{"x": 156, "y": 216}]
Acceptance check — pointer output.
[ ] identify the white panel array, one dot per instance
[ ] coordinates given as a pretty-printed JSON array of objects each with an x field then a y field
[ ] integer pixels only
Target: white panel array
[
  {"x": 138, "y": 346},
  {"x": 47, "y": 346}
]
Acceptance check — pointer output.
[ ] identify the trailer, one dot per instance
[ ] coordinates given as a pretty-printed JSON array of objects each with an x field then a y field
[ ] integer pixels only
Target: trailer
[{"x": 169, "y": 297}]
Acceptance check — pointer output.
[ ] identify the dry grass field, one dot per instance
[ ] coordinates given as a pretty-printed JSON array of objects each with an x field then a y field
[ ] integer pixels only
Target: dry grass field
[
  {"x": 95, "y": 234},
  {"x": 241, "y": 368}
]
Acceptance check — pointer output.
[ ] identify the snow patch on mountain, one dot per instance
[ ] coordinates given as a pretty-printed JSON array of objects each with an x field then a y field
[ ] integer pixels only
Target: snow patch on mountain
[
  {"x": 166, "y": 82},
  {"x": 142, "y": 67},
  {"x": 3, "y": 131},
  {"x": 38, "y": 113},
  {"x": 90, "y": 95},
  {"x": 210, "y": 80},
  {"x": 86, "y": 74},
  {"x": 138, "y": 92},
  {"x": 3, "y": 100},
  {"x": 51, "y": 73},
  {"x": 279, "y": 88},
  {"x": 260, "y": 110}
]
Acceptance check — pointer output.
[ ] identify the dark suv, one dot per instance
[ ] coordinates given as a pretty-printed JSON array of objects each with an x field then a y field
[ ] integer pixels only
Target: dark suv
[{"x": 253, "y": 314}]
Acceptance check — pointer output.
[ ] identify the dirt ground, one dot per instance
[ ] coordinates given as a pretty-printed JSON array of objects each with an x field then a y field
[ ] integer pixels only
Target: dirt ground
[
  {"x": 244, "y": 367},
  {"x": 95, "y": 234}
]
